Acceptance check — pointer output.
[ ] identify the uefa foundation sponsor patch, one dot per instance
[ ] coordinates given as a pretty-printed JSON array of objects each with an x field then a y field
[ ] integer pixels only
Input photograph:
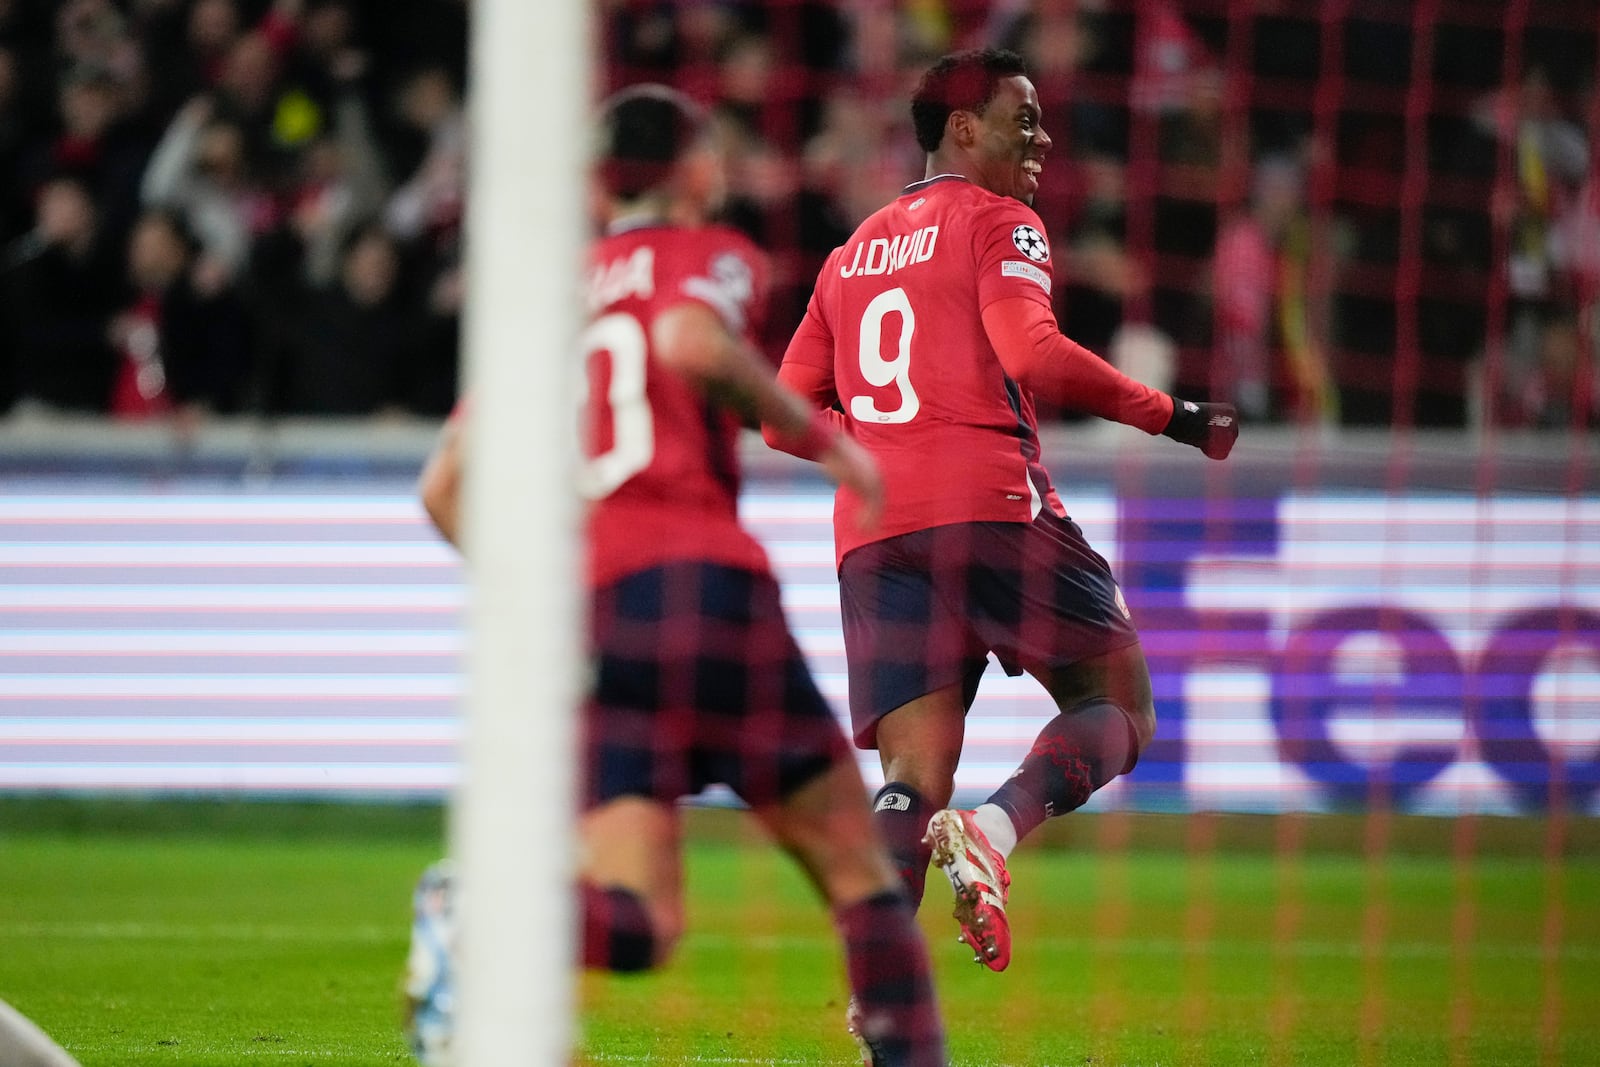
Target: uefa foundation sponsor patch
[{"x": 1015, "y": 268}]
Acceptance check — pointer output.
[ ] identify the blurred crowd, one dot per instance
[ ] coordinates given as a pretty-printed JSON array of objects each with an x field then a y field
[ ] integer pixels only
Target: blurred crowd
[
  {"x": 1326, "y": 214},
  {"x": 224, "y": 206},
  {"x": 256, "y": 205}
]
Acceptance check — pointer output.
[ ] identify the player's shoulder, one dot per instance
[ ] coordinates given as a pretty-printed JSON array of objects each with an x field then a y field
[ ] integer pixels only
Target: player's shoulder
[
  {"x": 720, "y": 253},
  {"x": 607, "y": 246},
  {"x": 984, "y": 217},
  {"x": 717, "y": 240},
  {"x": 1008, "y": 227},
  {"x": 690, "y": 246},
  {"x": 721, "y": 267},
  {"x": 994, "y": 213}
]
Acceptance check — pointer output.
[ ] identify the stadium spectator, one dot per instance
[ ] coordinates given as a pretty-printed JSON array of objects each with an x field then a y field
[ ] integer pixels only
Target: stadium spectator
[
  {"x": 184, "y": 342},
  {"x": 356, "y": 347},
  {"x": 186, "y": 46},
  {"x": 874, "y": 43},
  {"x": 931, "y": 329},
  {"x": 326, "y": 57},
  {"x": 211, "y": 30},
  {"x": 92, "y": 34},
  {"x": 858, "y": 159},
  {"x": 201, "y": 170},
  {"x": 762, "y": 173},
  {"x": 1562, "y": 389},
  {"x": 1576, "y": 249},
  {"x": 1100, "y": 276},
  {"x": 340, "y": 183},
  {"x": 701, "y": 30},
  {"x": 745, "y": 80},
  {"x": 1551, "y": 159},
  {"x": 428, "y": 204},
  {"x": 1263, "y": 305},
  {"x": 682, "y": 698},
  {"x": 60, "y": 287},
  {"x": 92, "y": 140}
]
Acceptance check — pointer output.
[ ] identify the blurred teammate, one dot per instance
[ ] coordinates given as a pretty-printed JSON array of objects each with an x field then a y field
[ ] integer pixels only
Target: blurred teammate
[
  {"x": 697, "y": 679},
  {"x": 931, "y": 329}
]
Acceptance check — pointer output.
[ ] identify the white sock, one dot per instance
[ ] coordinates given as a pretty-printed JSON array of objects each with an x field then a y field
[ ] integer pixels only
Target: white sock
[{"x": 996, "y": 826}]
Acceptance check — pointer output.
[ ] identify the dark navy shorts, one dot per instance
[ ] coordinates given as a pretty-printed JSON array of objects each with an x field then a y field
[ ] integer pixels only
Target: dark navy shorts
[
  {"x": 698, "y": 681},
  {"x": 923, "y": 610}
]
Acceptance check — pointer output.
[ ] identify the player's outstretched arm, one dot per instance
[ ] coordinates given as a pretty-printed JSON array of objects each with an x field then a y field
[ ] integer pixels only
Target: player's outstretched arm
[
  {"x": 1033, "y": 351},
  {"x": 692, "y": 340}
]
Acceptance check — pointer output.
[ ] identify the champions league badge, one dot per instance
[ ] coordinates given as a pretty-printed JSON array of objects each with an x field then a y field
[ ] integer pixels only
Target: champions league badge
[{"x": 1031, "y": 243}]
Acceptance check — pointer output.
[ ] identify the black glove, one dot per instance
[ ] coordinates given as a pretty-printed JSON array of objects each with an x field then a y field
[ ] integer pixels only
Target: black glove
[{"x": 1212, "y": 428}]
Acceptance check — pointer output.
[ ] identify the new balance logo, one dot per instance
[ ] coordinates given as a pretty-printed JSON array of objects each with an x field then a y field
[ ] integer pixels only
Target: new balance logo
[{"x": 893, "y": 802}]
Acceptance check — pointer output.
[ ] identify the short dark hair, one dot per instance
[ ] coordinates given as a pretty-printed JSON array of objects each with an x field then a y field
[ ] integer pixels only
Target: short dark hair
[
  {"x": 961, "y": 81},
  {"x": 644, "y": 131}
]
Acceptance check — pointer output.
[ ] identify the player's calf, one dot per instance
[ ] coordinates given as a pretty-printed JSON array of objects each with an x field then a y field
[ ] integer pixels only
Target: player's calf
[
  {"x": 1076, "y": 753},
  {"x": 901, "y": 816}
]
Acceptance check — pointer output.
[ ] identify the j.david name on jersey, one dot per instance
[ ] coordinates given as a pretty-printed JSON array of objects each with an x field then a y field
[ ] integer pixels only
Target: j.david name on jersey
[{"x": 886, "y": 255}]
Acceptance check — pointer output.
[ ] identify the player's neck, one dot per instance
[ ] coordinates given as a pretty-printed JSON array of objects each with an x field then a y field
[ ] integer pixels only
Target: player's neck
[
  {"x": 941, "y": 165},
  {"x": 936, "y": 174}
]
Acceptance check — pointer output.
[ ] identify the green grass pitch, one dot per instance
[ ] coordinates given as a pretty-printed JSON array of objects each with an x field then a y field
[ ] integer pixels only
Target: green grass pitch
[{"x": 217, "y": 933}]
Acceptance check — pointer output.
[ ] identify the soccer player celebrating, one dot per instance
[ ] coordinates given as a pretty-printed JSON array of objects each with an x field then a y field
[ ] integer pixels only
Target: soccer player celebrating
[
  {"x": 697, "y": 678},
  {"x": 931, "y": 330}
]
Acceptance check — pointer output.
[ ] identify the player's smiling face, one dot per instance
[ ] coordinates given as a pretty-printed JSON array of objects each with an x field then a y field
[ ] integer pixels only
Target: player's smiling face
[{"x": 1010, "y": 144}]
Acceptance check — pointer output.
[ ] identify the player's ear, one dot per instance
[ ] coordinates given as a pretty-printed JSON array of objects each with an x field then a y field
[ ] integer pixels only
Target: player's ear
[{"x": 960, "y": 129}]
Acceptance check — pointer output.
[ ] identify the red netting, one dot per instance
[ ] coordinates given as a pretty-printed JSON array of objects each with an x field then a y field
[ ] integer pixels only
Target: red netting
[
  {"x": 1353, "y": 213},
  {"x": 1356, "y": 213}
]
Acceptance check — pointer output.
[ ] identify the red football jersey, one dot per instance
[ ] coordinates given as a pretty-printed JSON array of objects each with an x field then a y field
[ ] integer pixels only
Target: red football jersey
[
  {"x": 661, "y": 461},
  {"x": 896, "y": 323}
]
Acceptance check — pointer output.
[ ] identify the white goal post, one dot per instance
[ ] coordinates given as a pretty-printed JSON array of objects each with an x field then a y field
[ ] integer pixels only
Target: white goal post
[
  {"x": 512, "y": 821},
  {"x": 22, "y": 1044}
]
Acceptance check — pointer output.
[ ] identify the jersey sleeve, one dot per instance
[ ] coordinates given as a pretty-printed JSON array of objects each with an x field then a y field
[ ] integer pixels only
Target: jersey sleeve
[
  {"x": 1013, "y": 255},
  {"x": 807, "y": 366},
  {"x": 732, "y": 280},
  {"x": 1030, "y": 346},
  {"x": 812, "y": 343}
]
